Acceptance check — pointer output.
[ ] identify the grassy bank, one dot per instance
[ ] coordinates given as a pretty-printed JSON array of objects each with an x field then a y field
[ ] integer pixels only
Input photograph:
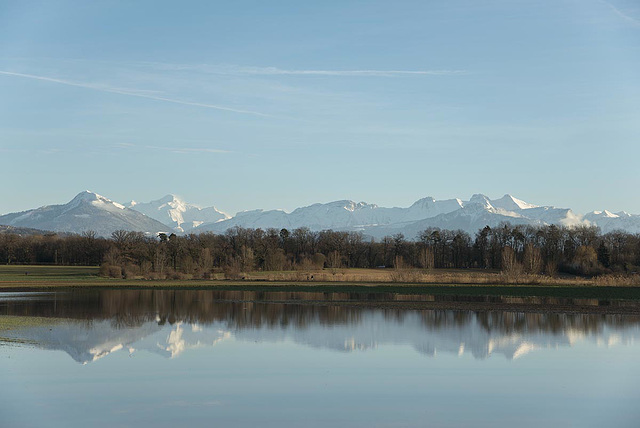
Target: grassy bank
[
  {"x": 345, "y": 280},
  {"x": 29, "y": 274}
]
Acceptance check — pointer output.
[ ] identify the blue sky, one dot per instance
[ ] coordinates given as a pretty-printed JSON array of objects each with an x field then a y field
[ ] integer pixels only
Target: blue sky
[{"x": 253, "y": 104}]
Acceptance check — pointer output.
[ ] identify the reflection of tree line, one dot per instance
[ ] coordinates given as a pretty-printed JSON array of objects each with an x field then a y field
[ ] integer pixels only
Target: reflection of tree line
[
  {"x": 520, "y": 322},
  {"x": 255, "y": 309}
]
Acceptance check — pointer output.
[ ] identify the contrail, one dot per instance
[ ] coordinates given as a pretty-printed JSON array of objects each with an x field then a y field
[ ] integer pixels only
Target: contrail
[
  {"x": 279, "y": 71},
  {"x": 275, "y": 71},
  {"x": 621, "y": 14},
  {"x": 129, "y": 93}
]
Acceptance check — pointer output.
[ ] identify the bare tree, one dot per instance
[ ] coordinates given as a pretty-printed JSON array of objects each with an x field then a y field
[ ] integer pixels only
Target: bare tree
[{"x": 532, "y": 259}]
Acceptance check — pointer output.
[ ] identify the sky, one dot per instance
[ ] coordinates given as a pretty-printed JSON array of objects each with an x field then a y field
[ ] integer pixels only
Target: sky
[{"x": 281, "y": 104}]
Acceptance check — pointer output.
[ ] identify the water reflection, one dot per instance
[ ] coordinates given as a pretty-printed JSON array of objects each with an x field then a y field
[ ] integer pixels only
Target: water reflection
[{"x": 91, "y": 324}]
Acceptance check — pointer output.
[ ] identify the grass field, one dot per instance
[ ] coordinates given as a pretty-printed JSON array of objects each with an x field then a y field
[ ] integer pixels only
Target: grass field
[
  {"x": 348, "y": 280},
  {"x": 47, "y": 274}
]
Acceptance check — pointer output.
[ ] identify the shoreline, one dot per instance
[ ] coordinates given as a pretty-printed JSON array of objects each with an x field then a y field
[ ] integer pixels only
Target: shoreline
[
  {"x": 566, "y": 291},
  {"x": 527, "y": 299},
  {"x": 447, "y": 292}
]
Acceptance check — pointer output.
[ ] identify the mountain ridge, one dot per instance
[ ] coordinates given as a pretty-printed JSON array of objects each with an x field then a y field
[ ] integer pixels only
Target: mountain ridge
[
  {"x": 172, "y": 211},
  {"x": 91, "y": 211},
  {"x": 87, "y": 211}
]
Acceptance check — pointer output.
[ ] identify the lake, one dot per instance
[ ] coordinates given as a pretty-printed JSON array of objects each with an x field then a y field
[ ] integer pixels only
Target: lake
[{"x": 201, "y": 358}]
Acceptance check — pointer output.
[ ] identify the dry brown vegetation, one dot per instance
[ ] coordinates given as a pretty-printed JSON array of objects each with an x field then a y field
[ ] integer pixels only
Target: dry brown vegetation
[
  {"x": 617, "y": 280},
  {"x": 418, "y": 276},
  {"x": 11, "y": 276}
]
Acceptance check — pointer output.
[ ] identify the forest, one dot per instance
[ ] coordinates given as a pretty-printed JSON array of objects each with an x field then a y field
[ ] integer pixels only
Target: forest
[{"x": 547, "y": 250}]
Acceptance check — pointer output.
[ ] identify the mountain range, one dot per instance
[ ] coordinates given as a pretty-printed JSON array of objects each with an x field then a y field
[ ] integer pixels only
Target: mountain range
[{"x": 90, "y": 211}]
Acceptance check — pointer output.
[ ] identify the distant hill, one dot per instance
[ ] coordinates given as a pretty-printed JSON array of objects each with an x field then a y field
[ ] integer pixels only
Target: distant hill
[{"x": 22, "y": 231}]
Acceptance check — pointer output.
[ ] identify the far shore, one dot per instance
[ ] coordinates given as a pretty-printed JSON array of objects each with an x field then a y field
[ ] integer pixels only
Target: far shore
[
  {"x": 446, "y": 283},
  {"x": 93, "y": 275}
]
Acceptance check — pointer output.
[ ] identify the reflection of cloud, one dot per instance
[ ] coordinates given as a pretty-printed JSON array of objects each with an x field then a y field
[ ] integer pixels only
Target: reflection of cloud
[{"x": 130, "y": 92}]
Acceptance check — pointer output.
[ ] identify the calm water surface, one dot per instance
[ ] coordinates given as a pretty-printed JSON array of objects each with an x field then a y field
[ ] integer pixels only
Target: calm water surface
[{"x": 131, "y": 358}]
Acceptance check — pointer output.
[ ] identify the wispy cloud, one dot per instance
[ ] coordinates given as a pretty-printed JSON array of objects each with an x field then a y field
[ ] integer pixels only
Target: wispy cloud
[
  {"x": 129, "y": 92},
  {"x": 178, "y": 150},
  {"x": 185, "y": 403},
  {"x": 274, "y": 71},
  {"x": 183, "y": 150},
  {"x": 630, "y": 19}
]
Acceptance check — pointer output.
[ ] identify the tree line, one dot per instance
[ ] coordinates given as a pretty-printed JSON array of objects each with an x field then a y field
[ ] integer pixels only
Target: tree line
[{"x": 535, "y": 250}]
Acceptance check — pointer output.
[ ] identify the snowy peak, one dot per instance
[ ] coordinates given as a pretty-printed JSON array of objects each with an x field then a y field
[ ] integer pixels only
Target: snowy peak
[
  {"x": 429, "y": 207},
  {"x": 171, "y": 199},
  {"x": 98, "y": 201},
  {"x": 480, "y": 199},
  {"x": 509, "y": 203},
  {"x": 87, "y": 211},
  {"x": 86, "y": 195},
  {"x": 605, "y": 213},
  {"x": 172, "y": 211},
  {"x": 429, "y": 203},
  {"x": 424, "y": 202}
]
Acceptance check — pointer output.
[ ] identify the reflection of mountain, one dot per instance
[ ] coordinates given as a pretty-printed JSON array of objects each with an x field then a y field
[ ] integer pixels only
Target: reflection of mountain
[
  {"x": 87, "y": 327},
  {"x": 83, "y": 341}
]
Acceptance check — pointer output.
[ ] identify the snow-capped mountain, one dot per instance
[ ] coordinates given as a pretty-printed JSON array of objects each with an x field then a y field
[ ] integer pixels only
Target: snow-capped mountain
[
  {"x": 480, "y": 211},
  {"x": 608, "y": 221},
  {"x": 470, "y": 216},
  {"x": 88, "y": 211},
  {"x": 178, "y": 214},
  {"x": 338, "y": 215}
]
